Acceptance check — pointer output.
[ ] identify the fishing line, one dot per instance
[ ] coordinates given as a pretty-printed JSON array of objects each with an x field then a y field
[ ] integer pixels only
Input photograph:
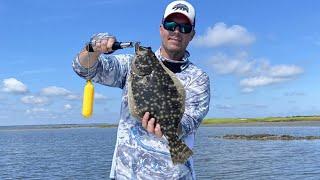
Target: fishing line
[{"x": 88, "y": 93}]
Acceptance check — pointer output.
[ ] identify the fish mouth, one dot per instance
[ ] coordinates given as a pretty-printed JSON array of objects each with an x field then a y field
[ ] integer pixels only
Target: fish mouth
[{"x": 140, "y": 49}]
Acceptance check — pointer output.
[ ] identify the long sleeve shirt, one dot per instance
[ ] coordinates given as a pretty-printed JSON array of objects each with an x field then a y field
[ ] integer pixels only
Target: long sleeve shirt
[{"x": 139, "y": 154}]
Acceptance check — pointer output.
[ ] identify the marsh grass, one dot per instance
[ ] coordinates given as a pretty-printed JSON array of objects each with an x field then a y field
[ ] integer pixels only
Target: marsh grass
[{"x": 254, "y": 120}]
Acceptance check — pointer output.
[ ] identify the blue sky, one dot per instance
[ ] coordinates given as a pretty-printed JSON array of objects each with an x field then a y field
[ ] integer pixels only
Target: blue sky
[{"x": 263, "y": 57}]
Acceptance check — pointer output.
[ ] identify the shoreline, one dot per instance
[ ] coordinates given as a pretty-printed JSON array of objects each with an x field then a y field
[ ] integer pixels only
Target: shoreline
[
  {"x": 216, "y": 124},
  {"x": 55, "y": 126}
]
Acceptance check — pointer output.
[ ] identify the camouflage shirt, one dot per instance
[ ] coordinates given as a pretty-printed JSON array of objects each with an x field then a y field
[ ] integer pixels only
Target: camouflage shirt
[{"x": 139, "y": 154}]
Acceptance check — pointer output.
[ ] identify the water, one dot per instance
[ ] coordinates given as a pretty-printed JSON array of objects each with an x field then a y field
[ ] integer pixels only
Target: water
[
  {"x": 241, "y": 159},
  {"x": 86, "y": 153},
  {"x": 81, "y": 153}
]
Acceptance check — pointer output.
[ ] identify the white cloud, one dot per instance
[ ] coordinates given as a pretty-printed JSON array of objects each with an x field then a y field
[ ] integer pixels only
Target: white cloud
[
  {"x": 247, "y": 90},
  {"x": 73, "y": 97},
  {"x": 99, "y": 96},
  {"x": 285, "y": 70},
  {"x": 258, "y": 106},
  {"x": 255, "y": 72},
  {"x": 220, "y": 35},
  {"x": 67, "y": 107},
  {"x": 222, "y": 64},
  {"x": 294, "y": 94},
  {"x": 264, "y": 75},
  {"x": 223, "y": 106},
  {"x": 36, "y": 110},
  {"x": 12, "y": 85},
  {"x": 54, "y": 91},
  {"x": 253, "y": 82},
  {"x": 34, "y": 100}
]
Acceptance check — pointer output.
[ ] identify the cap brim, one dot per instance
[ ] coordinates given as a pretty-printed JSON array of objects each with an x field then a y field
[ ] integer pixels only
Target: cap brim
[{"x": 178, "y": 13}]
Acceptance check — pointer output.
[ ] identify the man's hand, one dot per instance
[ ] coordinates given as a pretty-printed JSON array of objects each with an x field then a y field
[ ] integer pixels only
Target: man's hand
[
  {"x": 149, "y": 125},
  {"x": 103, "y": 44}
]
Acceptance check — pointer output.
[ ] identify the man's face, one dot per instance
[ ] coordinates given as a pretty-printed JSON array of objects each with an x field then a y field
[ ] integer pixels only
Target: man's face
[{"x": 175, "y": 41}]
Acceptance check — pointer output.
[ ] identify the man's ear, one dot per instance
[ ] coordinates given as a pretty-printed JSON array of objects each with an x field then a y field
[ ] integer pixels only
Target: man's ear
[
  {"x": 161, "y": 30},
  {"x": 192, "y": 35}
]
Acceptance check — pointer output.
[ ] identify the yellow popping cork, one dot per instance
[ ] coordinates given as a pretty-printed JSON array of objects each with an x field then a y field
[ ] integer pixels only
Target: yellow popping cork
[{"x": 88, "y": 97}]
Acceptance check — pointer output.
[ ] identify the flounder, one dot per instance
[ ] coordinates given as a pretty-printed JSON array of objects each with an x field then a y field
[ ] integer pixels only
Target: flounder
[{"x": 155, "y": 89}]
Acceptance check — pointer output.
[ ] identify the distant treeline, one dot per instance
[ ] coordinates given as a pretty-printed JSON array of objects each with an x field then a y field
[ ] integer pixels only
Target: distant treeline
[{"x": 57, "y": 126}]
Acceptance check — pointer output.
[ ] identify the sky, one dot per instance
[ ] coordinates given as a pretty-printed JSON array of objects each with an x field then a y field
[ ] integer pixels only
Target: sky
[{"x": 262, "y": 57}]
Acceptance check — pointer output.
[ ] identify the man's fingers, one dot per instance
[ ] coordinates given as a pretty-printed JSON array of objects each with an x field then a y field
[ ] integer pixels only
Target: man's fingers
[
  {"x": 150, "y": 126},
  {"x": 110, "y": 44},
  {"x": 157, "y": 131},
  {"x": 104, "y": 45},
  {"x": 96, "y": 46},
  {"x": 145, "y": 119}
]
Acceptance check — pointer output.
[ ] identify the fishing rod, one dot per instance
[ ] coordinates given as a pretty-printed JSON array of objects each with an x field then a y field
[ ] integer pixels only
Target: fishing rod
[
  {"x": 88, "y": 92},
  {"x": 115, "y": 46}
]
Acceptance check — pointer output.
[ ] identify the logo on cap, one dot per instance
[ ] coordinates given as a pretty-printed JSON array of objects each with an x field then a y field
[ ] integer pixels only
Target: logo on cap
[{"x": 181, "y": 7}]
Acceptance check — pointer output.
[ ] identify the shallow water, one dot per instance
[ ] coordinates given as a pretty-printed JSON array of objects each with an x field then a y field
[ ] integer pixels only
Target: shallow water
[
  {"x": 86, "y": 153},
  {"x": 242, "y": 159}
]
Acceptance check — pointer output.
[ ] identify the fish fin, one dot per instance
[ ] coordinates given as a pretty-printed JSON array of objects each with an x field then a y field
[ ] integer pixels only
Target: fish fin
[{"x": 179, "y": 151}]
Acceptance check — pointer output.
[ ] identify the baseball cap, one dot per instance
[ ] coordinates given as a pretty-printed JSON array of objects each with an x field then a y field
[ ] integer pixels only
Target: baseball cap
[{"x": 182, "y": 7}]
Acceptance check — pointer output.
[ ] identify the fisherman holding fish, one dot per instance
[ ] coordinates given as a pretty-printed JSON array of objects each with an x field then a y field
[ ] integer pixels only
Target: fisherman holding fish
[{"x": 142, "y": 148}]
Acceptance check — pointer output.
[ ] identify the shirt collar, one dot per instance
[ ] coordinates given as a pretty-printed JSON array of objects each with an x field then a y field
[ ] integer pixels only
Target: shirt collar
[{"x": 184, "y": 62}]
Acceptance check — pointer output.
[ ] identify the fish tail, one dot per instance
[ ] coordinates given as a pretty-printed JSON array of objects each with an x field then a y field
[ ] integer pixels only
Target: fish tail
[{"x": 179, "y": 151}]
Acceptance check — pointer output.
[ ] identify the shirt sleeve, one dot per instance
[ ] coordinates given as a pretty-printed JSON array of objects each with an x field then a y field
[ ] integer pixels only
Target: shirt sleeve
[
  {"x": 110, "y": 70},
  {"x": 197, "y": 105}
]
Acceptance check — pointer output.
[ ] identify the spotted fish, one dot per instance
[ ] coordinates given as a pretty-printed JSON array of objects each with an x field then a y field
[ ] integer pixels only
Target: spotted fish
[{"x": 154, "y": 88}]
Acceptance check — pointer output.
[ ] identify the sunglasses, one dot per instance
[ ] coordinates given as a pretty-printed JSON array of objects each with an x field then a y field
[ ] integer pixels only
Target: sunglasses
[{"x": 183, "y": 28}]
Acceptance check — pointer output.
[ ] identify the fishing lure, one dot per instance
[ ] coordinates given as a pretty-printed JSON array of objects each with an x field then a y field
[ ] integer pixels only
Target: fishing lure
[{"x": 88, "y": 99}]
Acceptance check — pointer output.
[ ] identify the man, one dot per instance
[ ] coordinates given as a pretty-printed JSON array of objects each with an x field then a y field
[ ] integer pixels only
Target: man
[{"x": 141, "y": 150}]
